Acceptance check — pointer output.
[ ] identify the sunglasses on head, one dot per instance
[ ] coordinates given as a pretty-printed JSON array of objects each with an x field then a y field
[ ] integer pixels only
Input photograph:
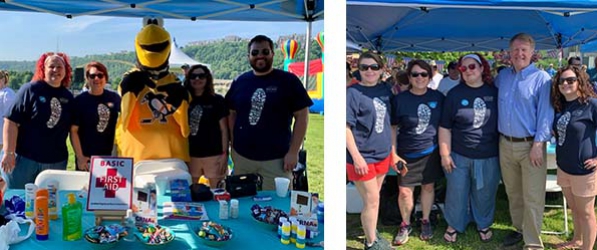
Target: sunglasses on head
[
  {"x": 471, "y": 66},
  {"x": 417, "y": 74},
  {"x": 201, "y": 76},
  {"x": 365, "y": 67},
  {"x": 264, "y": 52},
  {"x": 98, "y": 75},
  {"x": 568, "y": 80}
]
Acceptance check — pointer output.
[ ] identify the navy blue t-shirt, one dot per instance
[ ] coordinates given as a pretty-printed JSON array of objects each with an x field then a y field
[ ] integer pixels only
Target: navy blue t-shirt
[
  {"x": 44, "y": 116},
  {"x": 368, "y": 112},
  {"x": 205, "y": 113},
  {"x": 471, "y": 115},
  {"x": 417, "y": 118},
  {"x": 575, "y": 130},
  {"x": 96, "y": 117},
  {"x": 264, "y": 108}
]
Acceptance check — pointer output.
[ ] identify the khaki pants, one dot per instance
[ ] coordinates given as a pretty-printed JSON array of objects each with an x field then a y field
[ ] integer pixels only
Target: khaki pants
[
  {"x": 268, "y": 169},
  {"x": 525, "y": 186}
]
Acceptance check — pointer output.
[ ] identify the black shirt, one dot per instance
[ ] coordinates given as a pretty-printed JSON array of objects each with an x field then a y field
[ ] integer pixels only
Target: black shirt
[
  {"x": 205, "y": 113},
  {"x": 96, "y": 117}
]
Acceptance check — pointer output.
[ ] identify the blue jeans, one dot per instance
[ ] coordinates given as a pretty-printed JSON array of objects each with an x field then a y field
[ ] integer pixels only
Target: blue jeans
[
  {"x": 26, "y": 170},
  {"x": 471, "y": 192}
]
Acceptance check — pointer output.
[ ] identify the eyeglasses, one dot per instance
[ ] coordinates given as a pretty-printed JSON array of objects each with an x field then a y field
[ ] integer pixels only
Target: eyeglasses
[
  {"x": 471, "y": 66},
  {"x": 201, "y": 76},
  {"x": 98, "y": 75},
  {"x": 417, "y": 74},
  {"x": 568, "y": 80},
  {"x": 365, "y": 67},
  {"x": 264, "y": 52}
]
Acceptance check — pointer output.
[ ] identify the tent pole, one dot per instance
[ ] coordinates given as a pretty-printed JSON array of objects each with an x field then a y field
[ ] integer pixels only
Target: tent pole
[{"x": 307, "y": 43}]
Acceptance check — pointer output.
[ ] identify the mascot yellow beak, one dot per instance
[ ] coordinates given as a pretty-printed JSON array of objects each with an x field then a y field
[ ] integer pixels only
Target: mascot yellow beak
[{"x": 152, "y": 44}]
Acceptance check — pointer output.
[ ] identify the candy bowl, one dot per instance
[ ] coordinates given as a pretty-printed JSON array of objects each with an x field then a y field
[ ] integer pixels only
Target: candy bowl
[
  {"x": 155, "y": 236},
  {"x": 213, "y": 234},
  {"x": 267, "y": 216},
  {"x": 104, "y": 237}
]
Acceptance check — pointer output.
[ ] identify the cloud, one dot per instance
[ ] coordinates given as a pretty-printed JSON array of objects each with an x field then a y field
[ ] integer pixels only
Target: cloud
[{"x": 78, "y": 24}]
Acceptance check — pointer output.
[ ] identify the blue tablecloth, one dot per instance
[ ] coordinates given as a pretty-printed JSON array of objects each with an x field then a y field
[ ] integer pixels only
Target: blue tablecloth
[{"x": 248, "y": 233}]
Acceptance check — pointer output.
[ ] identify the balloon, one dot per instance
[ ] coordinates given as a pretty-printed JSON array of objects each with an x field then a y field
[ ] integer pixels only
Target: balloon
[
  {"x": 319, "y": 39},
  {"x": 289, "y": 48}
]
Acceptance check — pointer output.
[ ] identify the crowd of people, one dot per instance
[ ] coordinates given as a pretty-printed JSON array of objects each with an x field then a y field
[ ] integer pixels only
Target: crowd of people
[
  {"x": 254, "y": 119},
  {"x": 475, "y": 128}
]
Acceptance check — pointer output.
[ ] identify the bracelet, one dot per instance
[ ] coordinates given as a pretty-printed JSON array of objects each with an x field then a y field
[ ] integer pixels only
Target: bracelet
[{"x": 10, "y": 153}]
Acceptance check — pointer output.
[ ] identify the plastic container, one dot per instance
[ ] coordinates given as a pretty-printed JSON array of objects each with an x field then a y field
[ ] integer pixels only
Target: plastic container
[
  {"x": 53, "y": 199},
  {"x": 234, "y": 208},
  {"x": 354, "y": 203},
  {"x": 72, "y": 213},
  {"x": 286, "y": 229},
  {"x": 320, "y": 212},
  {"x": 129, "y": 224},
  {"x": 294, "y": 227},
  {"x": 223, "y": 209},
  {"x": 280, "y": 224},
  {"x": 42, "y": 219},
  {"x": 30, "y": 190},
  {"x": 301, "y": 232}
]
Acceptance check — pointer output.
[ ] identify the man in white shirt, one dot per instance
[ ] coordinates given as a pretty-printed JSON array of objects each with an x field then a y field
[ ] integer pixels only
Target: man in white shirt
[
  {"x": 437, "y": 77},
  {"x": 448, "y": 83}
]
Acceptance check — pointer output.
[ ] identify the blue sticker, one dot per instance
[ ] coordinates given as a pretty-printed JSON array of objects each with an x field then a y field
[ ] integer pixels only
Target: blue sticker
[
  {"x": 42, "y": 99},
  {"x": 432, "y": 104},
  {"x": 464, "y": 102}
]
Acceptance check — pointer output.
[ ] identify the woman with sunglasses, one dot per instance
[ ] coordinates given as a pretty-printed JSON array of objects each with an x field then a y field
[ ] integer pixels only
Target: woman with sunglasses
[
  {"x": 37, "y": 124},
  {"x": 7, "y": 97},
  {"x": 468, "y": 144},
  {"x": 416, "y": 115},
  {"x": 208, "y": 141},
  {"x": 94, "y": 117},
  {"x": 574, "y": 127},
  {"x": 368, "y": 141}
]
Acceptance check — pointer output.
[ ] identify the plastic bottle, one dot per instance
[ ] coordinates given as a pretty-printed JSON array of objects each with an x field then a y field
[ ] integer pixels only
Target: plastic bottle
[
  {"x": 129, "y": 223},
  {"x": 285, "y": 239},
  {"x": 294, "y": 225},
  {"x": 53, "y": 200},
  {"x": 234, "y": 208},
  {"x": 42, "y": 219},
  {"x": 30, "y": 190},
  {"x": 301, "y": 232},
  {"x": 223, "y": 209},
  {"x": 280, "y": 224},
  {"x": 320, "y": 210},
  {"x": 72, "y": 213}
]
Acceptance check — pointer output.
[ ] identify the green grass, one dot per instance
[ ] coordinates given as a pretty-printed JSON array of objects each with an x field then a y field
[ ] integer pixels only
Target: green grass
[
  {"x": 553, "y": 220},
  {"x": 313, "y": 145}
]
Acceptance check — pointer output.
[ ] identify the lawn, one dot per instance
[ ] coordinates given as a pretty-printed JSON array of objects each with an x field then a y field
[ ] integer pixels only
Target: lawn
[
  {"x": 553, "y": 221},
  {"x": 313, "y": 145}
]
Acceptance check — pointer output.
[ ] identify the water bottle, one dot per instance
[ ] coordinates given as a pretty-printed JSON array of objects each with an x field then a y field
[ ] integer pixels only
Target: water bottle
[
  {"x": 320, "y": 212},
  {"x": 129, "y": 223}
]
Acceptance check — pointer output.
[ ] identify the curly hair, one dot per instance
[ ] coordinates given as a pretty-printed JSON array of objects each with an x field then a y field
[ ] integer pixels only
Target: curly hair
[
  {"x": 585, "y": 88},
  {"x": 209, "y": 80},
  {"x": 40, "y": 73},
  {"x": 486, "y": 76}
]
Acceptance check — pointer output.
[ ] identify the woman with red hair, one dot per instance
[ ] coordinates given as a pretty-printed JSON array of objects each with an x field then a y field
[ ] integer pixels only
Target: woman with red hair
[{"x": 37, "y": 124}]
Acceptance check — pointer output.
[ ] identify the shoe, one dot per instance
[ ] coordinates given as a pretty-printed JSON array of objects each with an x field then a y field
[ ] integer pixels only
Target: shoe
[
  {"x": 379, "y": 244},
  {"x": 426, "y": 230},
  {"x": 402, "y": 235},
  {"x": 450, "y": 237},
  {"x": 485, "y": 235},
  {"x": 512, "y": 238}
]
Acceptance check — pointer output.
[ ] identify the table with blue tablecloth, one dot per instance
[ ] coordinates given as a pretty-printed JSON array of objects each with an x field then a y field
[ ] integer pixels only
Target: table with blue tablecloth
[{"x": 248, "y": 233}]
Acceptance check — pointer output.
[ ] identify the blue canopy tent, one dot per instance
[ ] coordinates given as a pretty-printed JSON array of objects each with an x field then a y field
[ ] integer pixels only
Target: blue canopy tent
[{"x": 452, "y": 25}]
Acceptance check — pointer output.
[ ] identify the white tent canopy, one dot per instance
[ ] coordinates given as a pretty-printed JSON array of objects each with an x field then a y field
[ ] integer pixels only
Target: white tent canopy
[{"x": 178, "y": 57}]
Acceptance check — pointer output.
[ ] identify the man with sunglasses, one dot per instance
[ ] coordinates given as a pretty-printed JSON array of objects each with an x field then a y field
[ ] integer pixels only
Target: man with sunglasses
[
  {"x": 525, "y": 116},
  {"x": 262, "y": 103}
]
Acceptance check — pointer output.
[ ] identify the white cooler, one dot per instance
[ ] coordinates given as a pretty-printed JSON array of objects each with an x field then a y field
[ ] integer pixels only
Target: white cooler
[{"x": 354, "y": 203}]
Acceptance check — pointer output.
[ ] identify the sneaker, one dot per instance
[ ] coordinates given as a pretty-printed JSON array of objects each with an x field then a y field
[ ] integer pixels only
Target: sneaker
[
  {"x": 402, "y": 235},
  {"x": 426, "y": 230},
  {"x": 379, "y": 244}
]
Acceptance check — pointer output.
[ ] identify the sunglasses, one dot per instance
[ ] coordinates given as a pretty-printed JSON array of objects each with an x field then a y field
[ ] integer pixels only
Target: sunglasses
[
  {"x": 201, "y": 76},
  {"x": 568, "y": 80},
  {"x": 417, "y": 74},
  {"x": 98, "y": 75},
  {"x": 365, "y": 67},
  {"x": 264, "y": 52},
  {"x": 471, "y": 66}
]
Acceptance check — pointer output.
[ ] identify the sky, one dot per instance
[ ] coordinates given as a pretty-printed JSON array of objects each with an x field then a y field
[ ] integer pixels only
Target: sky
[{"x": 25, "y": 35}]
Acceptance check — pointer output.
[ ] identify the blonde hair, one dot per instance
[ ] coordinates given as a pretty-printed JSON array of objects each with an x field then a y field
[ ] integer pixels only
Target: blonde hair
[{"x": 523, "y": 37}]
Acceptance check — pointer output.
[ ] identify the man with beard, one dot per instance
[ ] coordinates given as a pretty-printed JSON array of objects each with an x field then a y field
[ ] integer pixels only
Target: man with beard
[{"x": 262, "y": 103}]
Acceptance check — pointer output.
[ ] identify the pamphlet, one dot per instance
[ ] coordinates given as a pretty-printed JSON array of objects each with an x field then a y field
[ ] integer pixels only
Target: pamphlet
[{"x": 184, "y": 211}]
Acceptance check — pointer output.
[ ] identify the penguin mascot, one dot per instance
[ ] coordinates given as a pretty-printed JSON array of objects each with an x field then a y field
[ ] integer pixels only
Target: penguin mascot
[{"x": 154, "y": 120}]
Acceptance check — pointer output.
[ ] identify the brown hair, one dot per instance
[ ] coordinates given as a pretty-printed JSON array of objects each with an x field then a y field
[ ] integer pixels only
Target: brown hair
[
  {"x": 99, "y": 66},
  {"x": 4, "y": 74},
  {"x": 523, "y": 37},
  {"x": 209, "y": 80},
  {"x": 585, "y": 89},
  {"x": 374, "y": 56},
  {"x": 423, "y": 64},
  {"x": 486, "y": 76}
]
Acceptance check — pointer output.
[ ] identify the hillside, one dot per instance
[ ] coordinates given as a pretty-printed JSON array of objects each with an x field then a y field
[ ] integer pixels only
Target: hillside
[{"x": 227, "y": 57}]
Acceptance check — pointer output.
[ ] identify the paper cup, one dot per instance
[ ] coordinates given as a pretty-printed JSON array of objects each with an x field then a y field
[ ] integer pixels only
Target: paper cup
[{"x": 282, "y": 185}]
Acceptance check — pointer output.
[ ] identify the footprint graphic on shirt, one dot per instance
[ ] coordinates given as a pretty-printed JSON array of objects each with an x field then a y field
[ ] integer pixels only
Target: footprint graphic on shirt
[
  {"x": 380, "y": 114},
  {"x": 479, "y": 111},
  {"x": 561, "y": 127},
  {"x": 195, "y": 119},
  {"x": 103, "y": 112},
  {"x": 257, "y": 102},
  {"x": 55, "y": 113},
  {"x": 424, "y": 115}
]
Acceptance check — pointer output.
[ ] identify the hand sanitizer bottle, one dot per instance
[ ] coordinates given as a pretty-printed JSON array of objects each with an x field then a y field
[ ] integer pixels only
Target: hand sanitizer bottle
[{"x": 129, "y": 223}]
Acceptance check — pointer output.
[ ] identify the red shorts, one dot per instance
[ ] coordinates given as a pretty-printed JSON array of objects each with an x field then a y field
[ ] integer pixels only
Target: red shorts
[{"x": 375, "y": 169}]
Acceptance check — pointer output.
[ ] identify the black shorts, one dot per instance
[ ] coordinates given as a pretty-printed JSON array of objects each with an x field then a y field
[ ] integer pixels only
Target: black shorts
[{"x": 422, "y": 170}]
